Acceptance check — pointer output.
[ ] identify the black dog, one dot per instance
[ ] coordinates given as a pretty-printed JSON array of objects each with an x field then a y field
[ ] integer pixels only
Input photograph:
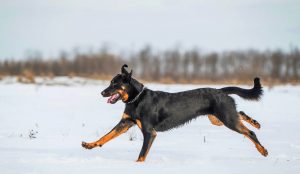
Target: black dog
[{"x": 160, "y": 111}]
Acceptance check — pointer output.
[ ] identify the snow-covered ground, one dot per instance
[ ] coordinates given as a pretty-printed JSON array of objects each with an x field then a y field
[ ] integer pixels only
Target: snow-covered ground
[{"x": 60, "y": 116}]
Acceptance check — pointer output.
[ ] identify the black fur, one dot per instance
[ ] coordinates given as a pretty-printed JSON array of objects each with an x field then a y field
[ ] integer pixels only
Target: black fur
[{"x": 164, "y": 111}]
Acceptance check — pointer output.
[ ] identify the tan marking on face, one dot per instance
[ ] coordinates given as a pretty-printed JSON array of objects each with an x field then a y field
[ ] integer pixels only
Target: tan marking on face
[
  {"x": 123, "y": 94},
  {"x": 214, "y": 120}
]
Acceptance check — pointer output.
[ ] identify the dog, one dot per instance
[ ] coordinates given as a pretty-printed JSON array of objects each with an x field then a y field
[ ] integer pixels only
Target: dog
[{"x": 155, "y": 111}]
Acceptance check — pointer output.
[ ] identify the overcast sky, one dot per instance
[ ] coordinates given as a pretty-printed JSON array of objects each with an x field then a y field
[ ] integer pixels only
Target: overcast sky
[{"x": 53, "y": 25}]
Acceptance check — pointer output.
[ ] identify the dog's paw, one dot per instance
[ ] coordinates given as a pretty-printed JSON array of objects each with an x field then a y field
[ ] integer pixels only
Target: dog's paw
[
  {"x": 88, "y": 145},
  {"x": 140, "y": 159},
  {"x": 256, "y": 124},
  {"x": 262, "y": 150},
  {"x": 265, "y": 153}
]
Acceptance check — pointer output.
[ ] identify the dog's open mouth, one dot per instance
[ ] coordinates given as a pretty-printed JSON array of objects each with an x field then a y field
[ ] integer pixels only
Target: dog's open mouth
[{"x": 114, "y": 98}]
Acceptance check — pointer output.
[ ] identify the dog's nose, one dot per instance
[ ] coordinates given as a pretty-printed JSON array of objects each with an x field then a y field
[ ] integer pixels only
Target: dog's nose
[{"x": 103, "y": 93}]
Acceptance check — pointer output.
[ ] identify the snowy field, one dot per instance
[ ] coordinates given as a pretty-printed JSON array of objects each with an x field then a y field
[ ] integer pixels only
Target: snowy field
[{"x": 59, "y": 114}]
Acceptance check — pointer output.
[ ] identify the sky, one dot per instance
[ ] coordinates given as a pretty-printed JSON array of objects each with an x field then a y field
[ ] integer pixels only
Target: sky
[{"x": 49, "y": 26}]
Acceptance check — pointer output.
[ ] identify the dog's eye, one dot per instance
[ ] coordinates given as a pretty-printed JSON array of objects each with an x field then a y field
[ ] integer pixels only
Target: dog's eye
[{"x": 113, "y": 83}]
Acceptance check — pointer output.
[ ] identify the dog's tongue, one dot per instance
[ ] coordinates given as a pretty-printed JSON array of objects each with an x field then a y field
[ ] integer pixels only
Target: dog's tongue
[{"x": 112, "y": 98}]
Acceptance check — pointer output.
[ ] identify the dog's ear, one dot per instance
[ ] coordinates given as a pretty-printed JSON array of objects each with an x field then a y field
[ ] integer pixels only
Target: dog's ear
[
  {"x": 130, "y": 74},
  {"x": 125, "y": 72}
]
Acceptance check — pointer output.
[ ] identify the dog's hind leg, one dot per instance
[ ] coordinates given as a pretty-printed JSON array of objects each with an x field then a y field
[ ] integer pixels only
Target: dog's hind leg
[
  {"x": 241, "y": 128},
  {"x": 248, "y": 119},
  {"x": 214, "y": 120},
  {"x": 238, "y": 126},
  {"x": 230, "y": 118}
]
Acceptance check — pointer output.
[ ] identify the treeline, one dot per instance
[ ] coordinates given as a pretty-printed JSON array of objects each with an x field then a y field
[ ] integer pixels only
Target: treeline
[{"x": 167, "y": 66}]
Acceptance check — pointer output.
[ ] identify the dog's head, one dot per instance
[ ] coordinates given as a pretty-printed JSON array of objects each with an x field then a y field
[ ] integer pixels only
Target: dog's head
[{"x": 120, "y": 87}]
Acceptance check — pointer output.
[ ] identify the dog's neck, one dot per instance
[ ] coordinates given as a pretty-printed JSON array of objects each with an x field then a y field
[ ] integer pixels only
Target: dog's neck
[
  {"x": 137, "y": 88},
  {"x": 137, "y": 85}
]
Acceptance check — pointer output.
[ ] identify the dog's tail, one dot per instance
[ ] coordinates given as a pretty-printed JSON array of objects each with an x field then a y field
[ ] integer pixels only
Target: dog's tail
[{"x": 250, "y": 94}]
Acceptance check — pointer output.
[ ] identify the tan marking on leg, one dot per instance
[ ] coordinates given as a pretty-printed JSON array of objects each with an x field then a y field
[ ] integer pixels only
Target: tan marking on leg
[
  {"x": 214, "y": 120},
  {"x": 109, "y": 136},
  {"x": 138, "y": 123},
  {"x": 116, "y": 131},
  {"x": 249, "y": 120},
  {"x": 112, "y": 135},
  {"x": 104, "y": 139},
  {"x": 245, "y": 131},
  {"x": 125, "y": 116}
]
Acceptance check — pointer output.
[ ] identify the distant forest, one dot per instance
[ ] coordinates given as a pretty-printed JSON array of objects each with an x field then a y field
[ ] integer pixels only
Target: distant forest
[{"x": 190, "y": 66}]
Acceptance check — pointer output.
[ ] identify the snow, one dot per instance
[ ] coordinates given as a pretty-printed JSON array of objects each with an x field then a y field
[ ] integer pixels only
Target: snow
[{"x": 61, "y": 113}]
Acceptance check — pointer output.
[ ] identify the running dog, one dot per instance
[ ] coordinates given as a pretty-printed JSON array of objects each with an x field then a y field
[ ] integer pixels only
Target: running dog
[{"x": 155, "y": 111}]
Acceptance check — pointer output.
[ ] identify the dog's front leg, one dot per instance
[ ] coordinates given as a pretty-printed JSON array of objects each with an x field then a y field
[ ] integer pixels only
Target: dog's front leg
[
  {"x": 149, "y": 136},
  {"x": 120, "y": 128}
]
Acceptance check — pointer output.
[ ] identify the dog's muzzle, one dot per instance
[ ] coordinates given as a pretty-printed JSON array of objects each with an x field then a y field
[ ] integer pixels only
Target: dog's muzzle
[{"x": 104, "y": 94}]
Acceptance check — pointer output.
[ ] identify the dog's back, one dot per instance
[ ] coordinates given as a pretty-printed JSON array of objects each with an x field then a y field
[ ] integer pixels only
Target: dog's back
[{"x": 176, "y": 109}]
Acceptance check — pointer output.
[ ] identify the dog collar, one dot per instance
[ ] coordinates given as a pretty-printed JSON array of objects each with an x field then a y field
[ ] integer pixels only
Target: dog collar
[{"x": 137, "y": 96}]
